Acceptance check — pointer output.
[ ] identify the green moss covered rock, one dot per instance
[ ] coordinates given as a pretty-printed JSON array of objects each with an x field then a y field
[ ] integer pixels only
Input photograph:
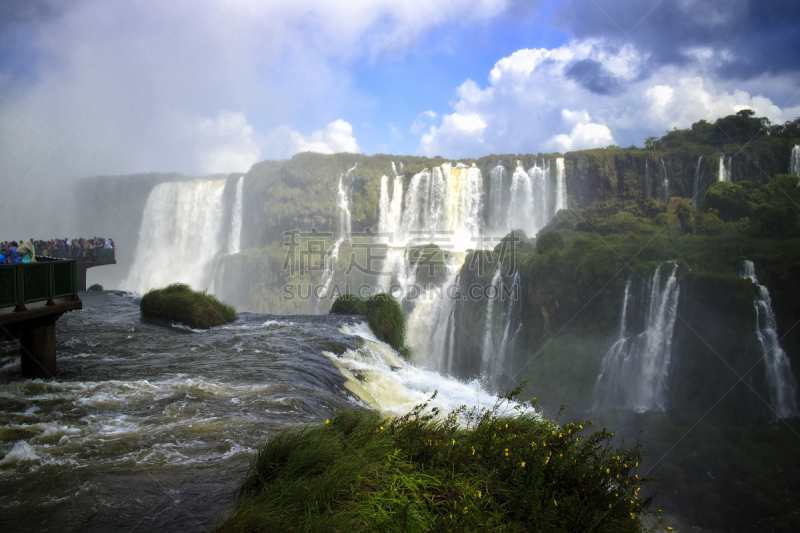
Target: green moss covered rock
[
  {"x": 179, "y": 303},
  {"x": 386, "y": 320},
  {"x": 349, "y": 304}
]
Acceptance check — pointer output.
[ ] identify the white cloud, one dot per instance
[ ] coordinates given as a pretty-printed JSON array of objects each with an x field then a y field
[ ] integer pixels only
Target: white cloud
[
  {"x": 226, "y": 144},
  {"x": 542, "y": 99},
  {"x": 335, "y": 138},
  {"x": 582, "y": 136},
  {"x": 423, "y": 121}
]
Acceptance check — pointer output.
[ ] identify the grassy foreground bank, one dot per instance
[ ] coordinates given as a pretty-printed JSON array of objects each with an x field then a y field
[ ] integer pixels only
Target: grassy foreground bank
[
  {"x": 179, "y": 303},
  {"x": 362, "y": 472}
]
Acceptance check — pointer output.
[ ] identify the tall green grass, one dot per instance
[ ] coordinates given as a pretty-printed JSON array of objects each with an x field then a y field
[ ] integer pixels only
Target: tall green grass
[
  {"x": 179, "y": 303},
  {"x": 362, "y": 472}
]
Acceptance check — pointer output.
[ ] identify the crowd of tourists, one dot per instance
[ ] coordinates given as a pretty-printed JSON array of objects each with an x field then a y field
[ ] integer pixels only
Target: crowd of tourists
[{"x": 27, "y": 251}]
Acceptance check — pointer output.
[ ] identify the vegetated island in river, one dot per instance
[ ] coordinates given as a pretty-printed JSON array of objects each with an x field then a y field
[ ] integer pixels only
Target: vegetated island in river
[
  {"x": 179, "y": 303},
  {"x": 474, "y": 470}
]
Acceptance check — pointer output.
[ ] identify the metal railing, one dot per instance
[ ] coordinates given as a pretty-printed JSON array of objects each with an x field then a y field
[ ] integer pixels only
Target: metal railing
[
  {"x": 46, "y": 279},
  {"x": 83, "y": 254}
]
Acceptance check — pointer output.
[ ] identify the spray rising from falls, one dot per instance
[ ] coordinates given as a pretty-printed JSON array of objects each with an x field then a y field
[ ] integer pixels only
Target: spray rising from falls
[
  {"x": 179, "y": 237},
  {"x": 780, "y": 380},
  {"x": 635, "y": 368}
]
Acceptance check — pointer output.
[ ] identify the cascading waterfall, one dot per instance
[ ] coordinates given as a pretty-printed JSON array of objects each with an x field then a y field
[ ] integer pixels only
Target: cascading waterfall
[
  {"x": 520, "y": 209},
  {"x": 538, "y": 175},
  {"x": 664, "y": 183},
  {"x": 496, "y": 352},
  {"x": 697, "y": 177},
  {"x": 235, "y": 239},
  {"x": 561, "y": 185},
  {"x": 794, "y": 162},
  {"x": 725, "y": 171},
  {"x": 179, "y": 237},
  {"x": 780, "y": 380},
  {"x": 344, "y": 229},
  {"x": 648, "y": 180},
  {"x": 497, "y": 199},
  {"x": 635, "y": 368}
]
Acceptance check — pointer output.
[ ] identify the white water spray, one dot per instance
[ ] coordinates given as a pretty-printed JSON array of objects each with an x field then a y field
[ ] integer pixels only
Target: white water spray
[{"x": 780, "y": 380}]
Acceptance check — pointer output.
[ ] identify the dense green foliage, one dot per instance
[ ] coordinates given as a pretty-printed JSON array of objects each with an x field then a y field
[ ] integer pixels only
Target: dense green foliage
[
  {"x": 387, "y": 321},
  {"x": 493, "y": 472},
  {"x": 349, "y": 304},
  {"x": 179, "y": 303}
]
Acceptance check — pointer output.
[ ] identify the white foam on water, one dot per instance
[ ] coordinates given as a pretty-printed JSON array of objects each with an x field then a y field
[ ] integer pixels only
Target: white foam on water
[
  {"x": 381, "y": 379},
  {"x": 22, "y": 452}
]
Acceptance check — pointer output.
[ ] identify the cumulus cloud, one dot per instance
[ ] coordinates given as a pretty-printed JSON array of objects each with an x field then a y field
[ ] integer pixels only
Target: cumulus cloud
[
  {"x": 756, "y": 37},
  {"x": 105, "y": 84},
  {"x": 335, "y": 138},
  {"x": 542, "y": 99},
  {"x": 584, "y": 134},
  {"x": 226, "y": 144}
]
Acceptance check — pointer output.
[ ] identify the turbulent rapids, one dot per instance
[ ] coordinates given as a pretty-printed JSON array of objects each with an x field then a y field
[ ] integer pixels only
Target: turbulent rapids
[{"x": 148, "y": 416}]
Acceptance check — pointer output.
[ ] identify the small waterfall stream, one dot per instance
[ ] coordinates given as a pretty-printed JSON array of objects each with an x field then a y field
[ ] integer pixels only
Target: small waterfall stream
[
  {"x": 635, "y": 368},
  {"x": 794, "y": 162},
  {"x": 780, "y": 380},
  {"x": 697, "y": 178}
]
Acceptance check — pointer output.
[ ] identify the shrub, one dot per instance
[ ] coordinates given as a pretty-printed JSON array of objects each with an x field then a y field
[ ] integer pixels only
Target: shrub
[
  {"x": 685, "y": 215},
  {"x": 386, "y": 320},
  {"x": 95, "y": 287},
  {"x": 349, "y": 304},
  {"x": 179, "y": 303},
  {"x": 551, "y": 240},
  {"x": 361, "y": 472}
]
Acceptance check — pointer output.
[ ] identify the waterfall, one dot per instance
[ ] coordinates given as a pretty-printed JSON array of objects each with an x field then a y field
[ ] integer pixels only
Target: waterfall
[
  {"x": 725, "y": 171},
  {"x": 344, "y": 229},
  {"x": 561, "y": 185},
  {"x": 520, "y": 209},
  {"x": 539, "y": 176},
  {"x": 780, "y": 380},
  {"x": 664, "y": 183},
  {"x": 179, "y": 236},
  {"x": 635, "y": 368},
  {"x": 697, "y": 178},
  {"x": 794, "y": 162},
  {"x": 235, "y": 239},
  {"x": 648, "y": 180},
  {"x": 497, "y": 198},
  {"x": 489, "y": 352}
]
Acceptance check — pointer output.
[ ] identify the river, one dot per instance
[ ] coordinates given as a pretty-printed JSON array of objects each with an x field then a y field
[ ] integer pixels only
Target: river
[{"x": 149, "y": 426}]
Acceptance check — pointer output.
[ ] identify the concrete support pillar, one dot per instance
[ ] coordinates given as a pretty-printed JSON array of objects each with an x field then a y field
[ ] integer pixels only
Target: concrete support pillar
[
  {"x": 81, "y": 273},
  {"x": 37, "y": 346}
]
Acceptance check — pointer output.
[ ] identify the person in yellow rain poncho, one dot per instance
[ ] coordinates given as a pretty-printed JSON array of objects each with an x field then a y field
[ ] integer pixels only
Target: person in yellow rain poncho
[{"x": 26, "y": 252}]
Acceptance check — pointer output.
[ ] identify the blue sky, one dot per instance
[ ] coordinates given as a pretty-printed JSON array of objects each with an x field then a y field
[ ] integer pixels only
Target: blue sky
[{"x": 203, "y": 86}]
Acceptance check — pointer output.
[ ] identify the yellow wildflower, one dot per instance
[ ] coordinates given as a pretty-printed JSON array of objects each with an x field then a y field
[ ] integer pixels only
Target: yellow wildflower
[
  {"x": 523, "y": 464},
  {"x": 327, "y": 421}
]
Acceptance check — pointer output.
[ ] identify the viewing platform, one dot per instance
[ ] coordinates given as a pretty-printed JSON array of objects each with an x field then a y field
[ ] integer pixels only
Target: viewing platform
[
  {"x": 32, "y": 297},
  {"x": 84, "y": 259}
]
